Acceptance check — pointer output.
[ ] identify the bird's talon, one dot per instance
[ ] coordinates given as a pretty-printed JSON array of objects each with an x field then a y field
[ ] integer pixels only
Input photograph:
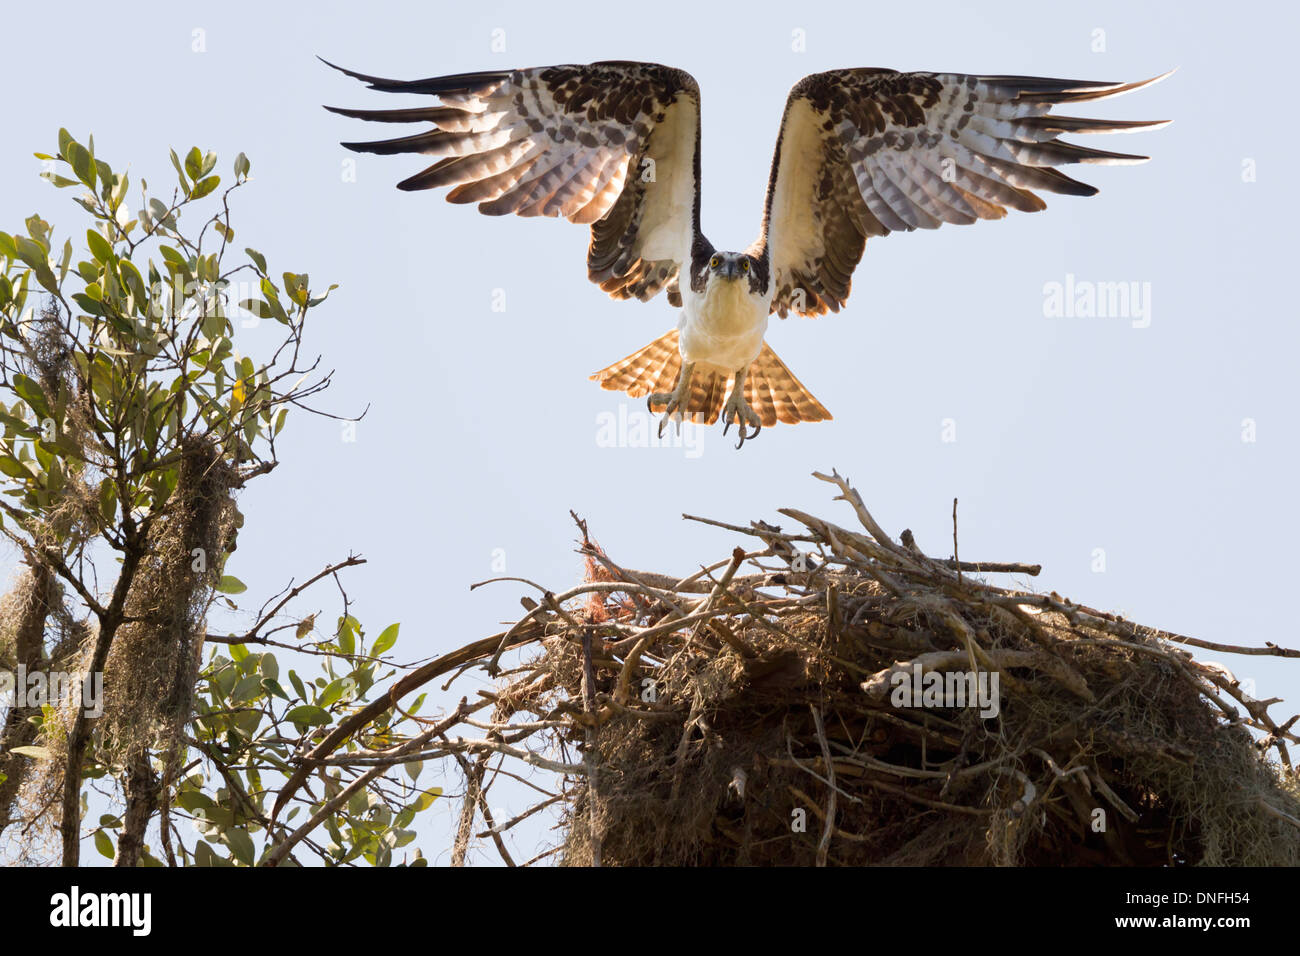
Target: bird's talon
[
  {"x": 745, "y": 418},
  {"x": 758, "y": 427},
  {"x": 672, "y": 402}
]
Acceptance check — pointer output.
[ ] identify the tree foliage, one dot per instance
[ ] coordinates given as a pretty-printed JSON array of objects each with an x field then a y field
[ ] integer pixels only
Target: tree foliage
[{"x": 131, "y": 420}]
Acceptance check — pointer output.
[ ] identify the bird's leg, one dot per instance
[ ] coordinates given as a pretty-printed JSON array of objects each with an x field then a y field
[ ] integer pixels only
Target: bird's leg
[
  {"x": 737, "y": 406},
  {"x": 674, "y": 400}
]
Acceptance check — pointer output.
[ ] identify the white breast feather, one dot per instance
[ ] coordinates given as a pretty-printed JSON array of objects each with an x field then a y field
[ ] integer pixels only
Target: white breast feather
[{"x": 724, "y": 326}]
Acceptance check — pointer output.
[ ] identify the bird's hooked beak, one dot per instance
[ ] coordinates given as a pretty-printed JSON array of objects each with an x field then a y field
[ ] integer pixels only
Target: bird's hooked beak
[{"x": 730, "y": 269}]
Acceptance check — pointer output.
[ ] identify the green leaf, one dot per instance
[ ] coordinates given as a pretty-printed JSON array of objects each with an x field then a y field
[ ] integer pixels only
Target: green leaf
[
  {"x": 425, "y": 800},
  {"x": 259, "y": 260},
  {"x": 82, "y": 164},
  {"x": 30, "y": 252},
  {"x": 65, "y": 260},
  {"x": 269, "y": 666},
  {"x": 385, "y": 640},
  {"x": 194, "y": 163},
  {"x": 103, "y": 844},
  {"x": 331, "y": 694},
  {"x": 162, "y": 212},
  {"x": 180, "y": 174},
  {"x": 62, "y": 182},
  {"x": 135, "y": 282},
  {"x": 242, "y": 166},
  {"x": 106, "y": 177},
  {"x": 249, "y": 688},
  {"x": 99, "y": 247},
  {"x": 347, "y": 635},
  {"x": 296, "y": 681},
  {"x": 14, "y": 468},
  {"x": 272, "y": 686},
  {"x": 108, "y": 499},
  {"x": 296, "y": 286},
  {"x": 119, "y": 190},
  {"x": 31, "y": 393},
  {"x": 36, "y": 753},
  {"x": 231, "y": 585},
  {"x": 192, "y": 800},
  {"x": 308, "y": 714},
  {"x": 241, "y": 845},
  {"x": 203, "y": 187}
]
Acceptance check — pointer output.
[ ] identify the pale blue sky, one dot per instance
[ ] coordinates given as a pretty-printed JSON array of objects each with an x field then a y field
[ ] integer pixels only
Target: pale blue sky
[{"x": 1072, "y": 434}]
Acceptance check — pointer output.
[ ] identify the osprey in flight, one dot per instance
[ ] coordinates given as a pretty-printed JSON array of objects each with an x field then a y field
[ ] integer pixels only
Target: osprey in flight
[{"x": 860, "y": 152}]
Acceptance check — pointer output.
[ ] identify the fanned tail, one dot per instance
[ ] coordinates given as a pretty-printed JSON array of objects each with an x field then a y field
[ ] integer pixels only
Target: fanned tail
[{"x": 770, "y": 388}]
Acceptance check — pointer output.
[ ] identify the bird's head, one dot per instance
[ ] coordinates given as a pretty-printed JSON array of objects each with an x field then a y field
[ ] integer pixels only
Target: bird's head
[
  {"x": 731, "y": 265},
  {"x": 746, "y": 270}
]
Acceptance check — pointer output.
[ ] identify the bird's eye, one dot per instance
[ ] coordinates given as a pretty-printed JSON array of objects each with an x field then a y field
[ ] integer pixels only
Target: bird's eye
[
  {"x": 744, "y": 265},
  {"x": 715, "y": 262}
]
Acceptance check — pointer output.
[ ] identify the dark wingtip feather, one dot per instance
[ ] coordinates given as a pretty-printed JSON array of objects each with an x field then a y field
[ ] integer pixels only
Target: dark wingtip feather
[
  {"x": 1051, "y": 123},
  {"x": 423, "y": 114},
  {"x": 344, "y": 111},
  {"x": 1078, "y": 91},
  {"x": 458, "y": 83},
  {"x": 355, "y": 75},
  {"x": 376, "y": 82},
  {"x": 1056, "y": 181},
  {"x": 426, "y": 142}
]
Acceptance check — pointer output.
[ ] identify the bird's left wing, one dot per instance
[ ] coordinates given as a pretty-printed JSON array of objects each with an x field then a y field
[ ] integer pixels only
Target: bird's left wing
[
  {"x": 613, "y": 144},
  {"x": 867, "y": 151}
]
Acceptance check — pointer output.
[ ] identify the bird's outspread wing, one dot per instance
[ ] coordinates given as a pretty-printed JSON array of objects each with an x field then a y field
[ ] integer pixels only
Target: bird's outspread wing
[
  {"x": 867, "y": 151},
  {"x": 614, "y": 145}
]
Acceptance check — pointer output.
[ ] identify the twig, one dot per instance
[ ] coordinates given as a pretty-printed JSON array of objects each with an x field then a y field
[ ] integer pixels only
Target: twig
[
  {"x": 956, "y": 558},
  {"x": 824, "y": 845}
]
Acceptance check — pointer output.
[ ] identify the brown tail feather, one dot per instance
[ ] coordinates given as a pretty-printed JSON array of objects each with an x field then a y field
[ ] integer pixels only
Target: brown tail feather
[
  {"x": 777, "y": 396},
  {"x": 770, "y": 388}
]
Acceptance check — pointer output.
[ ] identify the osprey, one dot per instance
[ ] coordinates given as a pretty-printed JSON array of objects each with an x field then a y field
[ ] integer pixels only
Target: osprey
[{"x": 860, "y": 152}]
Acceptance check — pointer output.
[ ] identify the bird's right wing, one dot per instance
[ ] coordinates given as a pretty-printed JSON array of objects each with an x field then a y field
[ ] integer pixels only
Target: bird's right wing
[{"x": 613, "y": 144}]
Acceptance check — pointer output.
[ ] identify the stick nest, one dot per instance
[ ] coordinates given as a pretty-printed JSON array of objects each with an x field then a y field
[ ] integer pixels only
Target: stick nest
[{"x": 750, "y": 714}]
